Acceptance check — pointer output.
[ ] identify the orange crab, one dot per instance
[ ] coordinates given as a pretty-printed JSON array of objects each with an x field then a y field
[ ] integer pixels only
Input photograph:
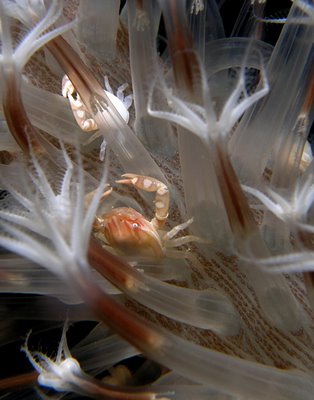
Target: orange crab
[{"x": 129, "y": 232}]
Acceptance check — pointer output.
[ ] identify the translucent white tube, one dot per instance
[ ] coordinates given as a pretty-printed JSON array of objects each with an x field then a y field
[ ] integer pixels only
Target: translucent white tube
[
  {"x": 275, "y": 298},
  {"x": 202, "y": 195},
  {"x": 101, "y": 349},
  {"x": 271, "y": 121},
  {"x": 238, "y": 378},
  {"x": 206, "y": 25},
  {"x": 143, "y": 22},
  {"x": 206, "y": 309},
  {"x": 97, "y": 26},
  {"x": 228, "y": 53},
  {"x": 163, "y": 270},
  {"x": 19, "y": 275},
  {"x": 51, "y": 113}
]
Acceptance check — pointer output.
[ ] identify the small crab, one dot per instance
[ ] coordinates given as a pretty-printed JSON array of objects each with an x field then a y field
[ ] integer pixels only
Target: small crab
[
  {"x": 129, "y": 232},
  {"x": 82, "y": 116}
]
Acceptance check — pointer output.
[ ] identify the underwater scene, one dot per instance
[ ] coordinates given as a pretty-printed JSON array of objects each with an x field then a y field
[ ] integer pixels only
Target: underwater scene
[{"x": 157, "y": 199}]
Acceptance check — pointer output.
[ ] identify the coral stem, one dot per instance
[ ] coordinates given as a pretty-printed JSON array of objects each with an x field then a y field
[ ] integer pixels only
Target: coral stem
[
  {"x": 16, "y": 117},
  {"x": 18, "y": 381},
  {"x": 240, "y": 216},
  {"x": 82, "y": 79},
  {"x": 126, "y": 323}
]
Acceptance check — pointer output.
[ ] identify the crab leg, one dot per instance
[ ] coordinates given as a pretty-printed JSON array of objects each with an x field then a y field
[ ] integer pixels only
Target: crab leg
[
  {"x": 170, "y": 242},
  {"x": 89, "y": 196},
  {"x": 149, "y": 184},
  {"x": 81, "y": 115},
  {"x": 174, "y": 231}
]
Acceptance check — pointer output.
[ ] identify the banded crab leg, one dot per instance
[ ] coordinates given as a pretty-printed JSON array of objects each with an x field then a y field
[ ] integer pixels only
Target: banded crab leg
[
  {"x": 81, "y": 115},
  {"x": 120, "y": 102},
  {"x": 149, "y": 184}
]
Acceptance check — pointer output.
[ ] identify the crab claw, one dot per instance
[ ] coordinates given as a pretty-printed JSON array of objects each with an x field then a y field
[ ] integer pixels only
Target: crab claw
[
  {"x": 149, "y": 184},
  {"x": 89, "y": 197}
]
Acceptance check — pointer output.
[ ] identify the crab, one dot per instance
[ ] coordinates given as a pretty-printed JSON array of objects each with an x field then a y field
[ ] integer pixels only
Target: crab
[
  {"x": 82, "y": 116},
  {"x": 84, "y": 119},
  {"x": 128, "y": 232}
]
